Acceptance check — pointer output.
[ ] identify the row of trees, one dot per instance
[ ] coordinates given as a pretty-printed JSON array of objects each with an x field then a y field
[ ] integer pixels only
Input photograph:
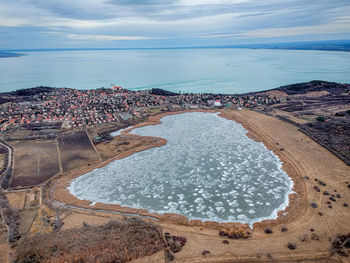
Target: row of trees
[
  {"x": 6, "y": 171},
  {"x": 9, "y": 216}
]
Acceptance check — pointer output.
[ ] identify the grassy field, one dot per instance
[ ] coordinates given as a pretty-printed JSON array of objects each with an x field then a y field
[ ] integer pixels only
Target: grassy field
[
  {"x": 76, "y": 150},
  {"x": 34, "y": 162},
  {"x": 120, "y": 144}
]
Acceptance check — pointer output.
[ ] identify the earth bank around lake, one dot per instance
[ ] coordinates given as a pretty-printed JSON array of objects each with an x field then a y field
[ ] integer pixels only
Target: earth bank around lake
[{"x": 208, "y": 170}]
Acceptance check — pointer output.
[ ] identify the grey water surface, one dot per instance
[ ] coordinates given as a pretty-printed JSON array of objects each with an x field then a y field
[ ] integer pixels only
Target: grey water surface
[{"x": 194, "y": 70}]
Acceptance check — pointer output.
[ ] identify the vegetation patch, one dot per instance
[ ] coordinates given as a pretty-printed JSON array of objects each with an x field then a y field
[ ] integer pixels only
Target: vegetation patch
[
  {"x": 11, "y": 218},
  {"x": 341, "y": 245},
  {"x": 116, "y": 241},
  {"x": 235, "y": 233},
  {"x": 334, "y": 134}
]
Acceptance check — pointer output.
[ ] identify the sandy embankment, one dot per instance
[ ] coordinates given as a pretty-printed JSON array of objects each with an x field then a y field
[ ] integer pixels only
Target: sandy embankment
[
  {"x": 61, "y": 193},
  {"x": 297, "y": 199}
]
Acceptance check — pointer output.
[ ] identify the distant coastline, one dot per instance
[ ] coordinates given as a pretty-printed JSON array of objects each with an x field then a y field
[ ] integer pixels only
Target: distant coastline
[
  {"x": 324, "y": 45},
  {"x": 9, "y": 54},
  {"x": 211, "y": 70}
]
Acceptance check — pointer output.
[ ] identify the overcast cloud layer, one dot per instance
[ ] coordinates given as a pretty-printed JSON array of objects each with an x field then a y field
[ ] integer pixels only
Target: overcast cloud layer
[{"x": 168, "y": 23}]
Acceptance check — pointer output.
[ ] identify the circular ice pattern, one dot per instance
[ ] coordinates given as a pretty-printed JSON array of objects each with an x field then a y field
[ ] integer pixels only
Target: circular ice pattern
[{"x": 209, "y": 169}]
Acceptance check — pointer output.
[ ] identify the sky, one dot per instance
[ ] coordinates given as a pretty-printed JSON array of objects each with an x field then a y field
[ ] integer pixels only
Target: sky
[{"x": 35, "y": 24}]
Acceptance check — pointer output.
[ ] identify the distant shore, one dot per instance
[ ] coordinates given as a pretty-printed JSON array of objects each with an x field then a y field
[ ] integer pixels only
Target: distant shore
[
  {"x": 321, "y": 45},
  {"x": 9, "y": 54}
]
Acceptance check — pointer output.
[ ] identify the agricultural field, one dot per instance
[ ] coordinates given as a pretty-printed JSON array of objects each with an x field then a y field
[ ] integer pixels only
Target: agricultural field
[
  {"x": 34, "y": 162},
  {"x": 76, "y": 150}
]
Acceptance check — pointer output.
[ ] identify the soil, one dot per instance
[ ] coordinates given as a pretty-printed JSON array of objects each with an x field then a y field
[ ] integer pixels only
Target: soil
[
  {"x": 34, "y": 162},
  {"x": 76, "y": 150}
]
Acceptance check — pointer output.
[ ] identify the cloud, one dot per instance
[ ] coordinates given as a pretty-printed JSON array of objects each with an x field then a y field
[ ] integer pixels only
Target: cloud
[
  {"x": 107, "y": 37},
  {"x": 6, "y": 21},
  {"x": 142, "y": 2},
  {"x": 211, "y": 2},
  {"x": 189, "y": 20},
  {"x": 330, "y": 28}
]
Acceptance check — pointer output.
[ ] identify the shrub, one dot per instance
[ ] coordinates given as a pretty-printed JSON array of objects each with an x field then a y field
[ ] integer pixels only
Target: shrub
[
  {"x": 320, "y": 118},
  {"x": 116, "y": 241},
  {"x": 235, "y": 233},
  {"x": 11, "y": 219}
]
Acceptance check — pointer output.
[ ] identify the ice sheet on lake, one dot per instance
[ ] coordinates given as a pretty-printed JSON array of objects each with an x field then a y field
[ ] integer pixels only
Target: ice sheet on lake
[{"x": 209, "y": 170}]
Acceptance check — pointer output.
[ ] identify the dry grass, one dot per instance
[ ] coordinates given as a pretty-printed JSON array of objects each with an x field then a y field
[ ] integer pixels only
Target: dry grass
[
  {"x": 121, "y": 144},
  {"x": 116, "y": 241}
]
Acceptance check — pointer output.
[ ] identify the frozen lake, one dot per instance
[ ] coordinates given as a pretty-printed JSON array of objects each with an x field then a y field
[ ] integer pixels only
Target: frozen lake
[{"x": 208, "y": 170}]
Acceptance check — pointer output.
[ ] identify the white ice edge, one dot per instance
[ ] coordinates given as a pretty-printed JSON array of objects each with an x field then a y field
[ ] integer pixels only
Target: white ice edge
[
  {"x": 118, "y": 132},
  {"x": 272, "y": 216},
  {"x": 250, "y": 222}
]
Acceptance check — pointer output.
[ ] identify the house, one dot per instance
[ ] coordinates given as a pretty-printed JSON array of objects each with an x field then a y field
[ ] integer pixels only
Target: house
[{"x": 217, "y": 103}]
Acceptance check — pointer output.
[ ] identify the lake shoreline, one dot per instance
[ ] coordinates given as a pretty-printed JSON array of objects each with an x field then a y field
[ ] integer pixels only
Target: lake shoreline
[
  {"x": 296, "y": 203},
  {"x": 62, "y": 194}
]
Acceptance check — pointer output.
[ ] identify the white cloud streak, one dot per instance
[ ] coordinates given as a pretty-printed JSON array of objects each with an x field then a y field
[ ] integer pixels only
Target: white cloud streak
[
  {"x": 339, "y": 26},
  {"x": 122, "y": 20},
  {"x": 210, "y": 2},
  {"x": 330, "y": 28},
  {"x": 107, "y": 37}
]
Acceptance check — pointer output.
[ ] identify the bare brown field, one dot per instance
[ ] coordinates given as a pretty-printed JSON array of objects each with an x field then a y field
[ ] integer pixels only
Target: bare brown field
[
  {"x": 17, "y": 200},
  {"x": 76, "y": 150},
  {"x": 27, "y": 218},
  {"x": 34, "y": 162},
  {"x": 4, "y": 251},
  {"x": 77, "y": 219}
]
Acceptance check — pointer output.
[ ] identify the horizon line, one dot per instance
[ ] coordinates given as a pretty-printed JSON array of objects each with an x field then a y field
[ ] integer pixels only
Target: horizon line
[{"x": 251, "y": 46}]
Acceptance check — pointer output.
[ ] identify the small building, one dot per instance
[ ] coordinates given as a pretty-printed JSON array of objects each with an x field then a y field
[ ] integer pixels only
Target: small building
[{"x": 217, "y": 103}]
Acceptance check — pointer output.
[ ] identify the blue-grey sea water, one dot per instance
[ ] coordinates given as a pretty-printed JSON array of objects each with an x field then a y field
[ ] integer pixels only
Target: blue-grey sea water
[
  {"x": 209, "y": 169},
  {"x": 185, "y": 70}
]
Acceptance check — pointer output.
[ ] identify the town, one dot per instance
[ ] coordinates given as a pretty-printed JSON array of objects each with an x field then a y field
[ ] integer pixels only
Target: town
[{"x": 76, "y": 109}]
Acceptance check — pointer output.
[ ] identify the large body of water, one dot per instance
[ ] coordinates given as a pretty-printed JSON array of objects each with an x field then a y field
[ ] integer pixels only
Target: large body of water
[
  {"x": 209, "y": 170},
  {"x": 185, "y": 70}
]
